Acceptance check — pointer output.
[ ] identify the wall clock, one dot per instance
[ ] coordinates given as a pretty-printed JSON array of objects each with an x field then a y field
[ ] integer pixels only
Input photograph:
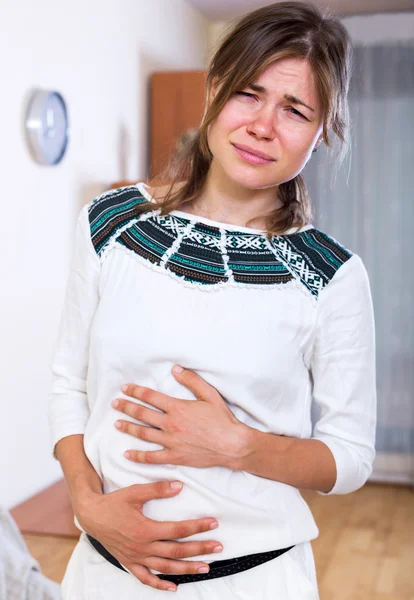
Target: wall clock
[{"x": 47, "y": 126}]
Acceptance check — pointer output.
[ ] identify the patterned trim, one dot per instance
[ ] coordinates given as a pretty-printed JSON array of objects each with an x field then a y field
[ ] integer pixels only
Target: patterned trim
[
  {"x": 206, "y": 255},
  {"x": 110, "y": 211}
]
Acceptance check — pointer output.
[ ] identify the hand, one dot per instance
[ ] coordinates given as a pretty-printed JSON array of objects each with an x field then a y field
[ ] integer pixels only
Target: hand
[
  {"x": 197, "y": 433},
  {"x": 139, "y": 543}
]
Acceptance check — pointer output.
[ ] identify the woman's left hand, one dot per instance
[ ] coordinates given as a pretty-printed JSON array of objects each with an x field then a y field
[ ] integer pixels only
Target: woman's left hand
[{"x": 197, "y": 433}]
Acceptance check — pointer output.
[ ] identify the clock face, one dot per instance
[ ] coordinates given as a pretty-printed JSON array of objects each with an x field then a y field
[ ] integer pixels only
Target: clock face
[
  {"x": 54, "y": 128},
  {"x": 47, "y": 127}
]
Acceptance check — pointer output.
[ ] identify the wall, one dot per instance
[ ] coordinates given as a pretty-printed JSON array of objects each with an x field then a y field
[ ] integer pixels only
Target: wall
[
  {"x": 364, "y": 29},
  {"x": 99, "y": 56},
  {"x": 372, "y": 29}
]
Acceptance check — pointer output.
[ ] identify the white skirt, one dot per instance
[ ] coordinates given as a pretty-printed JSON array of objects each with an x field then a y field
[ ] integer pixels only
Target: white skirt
[{"x": 291, "y": 576}]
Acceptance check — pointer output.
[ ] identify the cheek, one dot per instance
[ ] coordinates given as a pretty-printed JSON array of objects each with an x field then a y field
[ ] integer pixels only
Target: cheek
[
  {"x": 225, "y": 124},
  {"x": 296, "y": 143},
  {"x": 295, "y": 147}
]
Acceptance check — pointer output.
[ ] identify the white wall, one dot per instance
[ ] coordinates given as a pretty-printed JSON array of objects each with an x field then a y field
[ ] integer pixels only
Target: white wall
[{"x": 98, "y": 54}]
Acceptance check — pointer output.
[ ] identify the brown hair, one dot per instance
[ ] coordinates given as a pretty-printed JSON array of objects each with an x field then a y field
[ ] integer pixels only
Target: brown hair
[{"x": 281, "y": 30}]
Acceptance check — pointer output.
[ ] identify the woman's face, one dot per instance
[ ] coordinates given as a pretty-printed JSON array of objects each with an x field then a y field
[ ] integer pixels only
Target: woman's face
[{"x": 268, "y": 117}]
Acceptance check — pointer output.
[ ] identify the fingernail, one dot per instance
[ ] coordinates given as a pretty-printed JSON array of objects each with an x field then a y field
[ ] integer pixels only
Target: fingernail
[
  {"x": 217, "y": 548},
  {"x": 171, "y": 589},
  {"x": 176, "y": 485},
  {"x": 124, "y": 388},
  {"x": 115, "y": 403},
  {"x": 118, "y": 424},
  {"x": 177, "y": 368},
  {"x": 214, "y": 525},
  {"x": 203, "y": 570}
]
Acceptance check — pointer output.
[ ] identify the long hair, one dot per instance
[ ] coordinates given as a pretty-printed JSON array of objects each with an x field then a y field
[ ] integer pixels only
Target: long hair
[{"x": 281, "y": 30}]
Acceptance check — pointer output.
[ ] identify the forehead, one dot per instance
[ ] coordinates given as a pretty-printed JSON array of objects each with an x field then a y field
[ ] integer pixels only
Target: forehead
[{"x": 290, "y": 75}]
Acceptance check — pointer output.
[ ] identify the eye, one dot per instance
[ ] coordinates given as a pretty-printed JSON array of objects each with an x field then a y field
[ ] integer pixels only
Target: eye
[
  {"x": 296, "y": 112},
  {"x": 246, "y": 94}
]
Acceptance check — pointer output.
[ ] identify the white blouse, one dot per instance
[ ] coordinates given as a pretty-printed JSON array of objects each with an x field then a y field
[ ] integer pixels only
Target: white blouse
[{"x": 273, "y": 325}]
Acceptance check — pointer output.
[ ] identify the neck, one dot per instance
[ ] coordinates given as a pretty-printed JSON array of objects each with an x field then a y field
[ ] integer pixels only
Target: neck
[{"x": 226, "y": 201}]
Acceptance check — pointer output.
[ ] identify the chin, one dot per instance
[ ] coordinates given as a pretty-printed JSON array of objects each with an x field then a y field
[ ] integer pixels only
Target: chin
[{"x": 252, "y": 181}]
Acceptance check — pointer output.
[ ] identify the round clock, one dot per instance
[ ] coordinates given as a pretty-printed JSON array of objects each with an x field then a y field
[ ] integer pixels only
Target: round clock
[{"x": 47, "y": 127}]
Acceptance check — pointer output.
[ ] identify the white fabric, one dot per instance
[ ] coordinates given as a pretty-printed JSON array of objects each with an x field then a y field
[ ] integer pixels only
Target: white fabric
[
  {"x": 291, "y": 576},
  {"x": 267, "y": 351},
  {"x": 20, "y": 576}
]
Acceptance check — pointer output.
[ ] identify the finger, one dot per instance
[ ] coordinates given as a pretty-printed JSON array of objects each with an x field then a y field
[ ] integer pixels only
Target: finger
[
  {"x": 155, "y": 457},
  {"x": 139, "y": 412},
  {"x": 147, "y": 395},
  {"x": 147, "y": 578},
  {"x": 201, "y": 389},
  {"x": 175, "y": 530},
  {"x": 174, "y": 550},
  {"x": 176, "y": 567},
  {"x": 143, "y": 432},
  {"x": 143, "y": 492}
]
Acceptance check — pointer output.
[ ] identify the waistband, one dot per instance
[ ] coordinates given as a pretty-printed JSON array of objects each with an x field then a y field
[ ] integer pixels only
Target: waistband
[{"x": 218, "y": 568}]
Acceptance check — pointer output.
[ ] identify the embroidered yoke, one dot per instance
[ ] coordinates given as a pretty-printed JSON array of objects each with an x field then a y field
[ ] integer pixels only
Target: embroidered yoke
[{"x": 209, "y": 255}]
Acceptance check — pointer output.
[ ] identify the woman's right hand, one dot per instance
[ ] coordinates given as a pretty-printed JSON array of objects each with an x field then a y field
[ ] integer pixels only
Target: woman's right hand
[{"x": 117, "y": 521}]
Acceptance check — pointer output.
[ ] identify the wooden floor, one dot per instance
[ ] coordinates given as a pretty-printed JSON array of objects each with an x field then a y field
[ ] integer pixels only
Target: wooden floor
[{"x": 365, "y": 548}]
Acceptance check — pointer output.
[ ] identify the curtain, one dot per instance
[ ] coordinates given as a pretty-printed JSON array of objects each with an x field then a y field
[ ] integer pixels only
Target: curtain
[{"x": 369, "y": 208}]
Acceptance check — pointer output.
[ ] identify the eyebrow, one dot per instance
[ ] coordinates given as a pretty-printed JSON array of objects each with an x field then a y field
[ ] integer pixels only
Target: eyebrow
[{"x": 259, "y": 88}]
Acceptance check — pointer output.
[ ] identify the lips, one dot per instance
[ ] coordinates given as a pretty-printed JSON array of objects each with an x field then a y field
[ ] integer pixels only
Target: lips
[
  {"x": 253, "y": 151},
  {"x": 251, "y": 156}
]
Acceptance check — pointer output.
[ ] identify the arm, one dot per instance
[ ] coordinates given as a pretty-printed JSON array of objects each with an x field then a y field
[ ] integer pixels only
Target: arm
[
  {"x": 115, "y": 519},
  {"x": 82, "y": 479},
  {"x": 338, "y": 458},
  {"x": 68, "y": 402},
  {"x": 301, "y": 463}
]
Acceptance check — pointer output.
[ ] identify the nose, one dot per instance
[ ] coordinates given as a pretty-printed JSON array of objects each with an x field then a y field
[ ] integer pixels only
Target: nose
[{"x": 262, "y": 124}]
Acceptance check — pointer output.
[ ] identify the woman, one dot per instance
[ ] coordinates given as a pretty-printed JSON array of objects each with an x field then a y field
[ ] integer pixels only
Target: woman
[{"x": 263, "y": 319}]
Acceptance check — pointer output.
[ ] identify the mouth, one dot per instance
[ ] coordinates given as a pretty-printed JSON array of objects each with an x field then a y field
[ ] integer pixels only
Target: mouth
[{"x": 252, "y": 156}]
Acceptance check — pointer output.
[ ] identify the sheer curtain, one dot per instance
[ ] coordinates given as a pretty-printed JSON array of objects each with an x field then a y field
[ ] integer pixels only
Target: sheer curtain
[{"x": 370, "y": 210}]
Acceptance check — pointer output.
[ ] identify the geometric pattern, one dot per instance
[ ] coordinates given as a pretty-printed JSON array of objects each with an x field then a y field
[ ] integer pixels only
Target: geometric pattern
[{"x": 203, "y": 255}]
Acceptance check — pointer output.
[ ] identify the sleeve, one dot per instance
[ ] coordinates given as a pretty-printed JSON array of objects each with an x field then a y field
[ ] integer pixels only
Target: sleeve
[
  {"x": 68, "y": 405},
  {"x": 344, "y": 375}
]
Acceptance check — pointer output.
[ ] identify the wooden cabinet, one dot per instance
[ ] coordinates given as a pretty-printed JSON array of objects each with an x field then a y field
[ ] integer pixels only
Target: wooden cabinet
[{"x": 176, "y": 106}]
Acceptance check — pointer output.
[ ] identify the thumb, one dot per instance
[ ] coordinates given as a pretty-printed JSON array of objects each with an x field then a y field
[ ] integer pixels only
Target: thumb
[
  {"x": 143, "y": 492},
  {"x": 201, "y": 389}
]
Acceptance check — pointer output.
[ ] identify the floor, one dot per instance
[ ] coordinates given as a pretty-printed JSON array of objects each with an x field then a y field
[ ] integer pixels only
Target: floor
[{"x": 365, "y": 548}]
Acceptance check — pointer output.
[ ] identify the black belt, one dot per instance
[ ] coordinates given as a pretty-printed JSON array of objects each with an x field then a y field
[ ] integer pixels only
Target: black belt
[{"x": 218, "y": 568}]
